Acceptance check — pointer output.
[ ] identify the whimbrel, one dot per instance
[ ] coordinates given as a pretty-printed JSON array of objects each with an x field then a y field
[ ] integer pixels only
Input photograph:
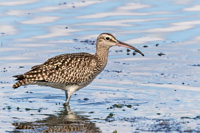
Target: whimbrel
[{"x": 71, "y": 72}]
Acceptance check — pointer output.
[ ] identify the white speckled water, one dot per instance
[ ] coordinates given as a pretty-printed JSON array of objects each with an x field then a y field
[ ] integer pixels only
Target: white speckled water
[{"x": 159, "y": 92}]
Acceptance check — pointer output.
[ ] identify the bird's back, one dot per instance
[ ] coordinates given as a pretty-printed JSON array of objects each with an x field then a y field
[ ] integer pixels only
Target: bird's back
[{"x": 66, "y": 69}]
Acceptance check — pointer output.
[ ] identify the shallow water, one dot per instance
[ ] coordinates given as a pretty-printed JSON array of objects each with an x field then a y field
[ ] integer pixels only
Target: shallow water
[{"x": 157, "y": 92}]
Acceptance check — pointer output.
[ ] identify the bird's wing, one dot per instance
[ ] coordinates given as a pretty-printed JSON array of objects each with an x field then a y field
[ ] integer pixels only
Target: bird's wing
[{"x": 67, "y": 68}]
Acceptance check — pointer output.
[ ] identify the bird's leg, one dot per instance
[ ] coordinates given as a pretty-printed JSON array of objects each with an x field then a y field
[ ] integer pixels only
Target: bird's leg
[
  {"x": 68, "y": 97},
  {"x": 67, "y": 107},
  {"x": 69, "y": 110},
  {"x": 69, "y": 91}
]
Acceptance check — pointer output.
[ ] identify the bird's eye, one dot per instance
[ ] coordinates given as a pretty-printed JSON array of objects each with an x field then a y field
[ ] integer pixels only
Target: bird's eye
[{"x": 108, "y": 38}]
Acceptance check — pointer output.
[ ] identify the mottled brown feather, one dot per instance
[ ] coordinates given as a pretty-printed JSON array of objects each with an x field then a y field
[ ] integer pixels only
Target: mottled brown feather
[{"x": 76, "y": 68}]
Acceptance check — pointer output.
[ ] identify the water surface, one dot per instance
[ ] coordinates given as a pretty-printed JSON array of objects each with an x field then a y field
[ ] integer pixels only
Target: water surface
[{"x": 158, "y": 92}]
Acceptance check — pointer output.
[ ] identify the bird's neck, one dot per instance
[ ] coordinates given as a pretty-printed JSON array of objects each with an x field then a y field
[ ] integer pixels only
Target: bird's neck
[{"x": 102, "y": 54}]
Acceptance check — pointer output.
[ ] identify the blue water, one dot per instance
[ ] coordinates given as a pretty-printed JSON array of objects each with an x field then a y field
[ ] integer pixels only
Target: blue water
[{"x": 163, "y": 91}]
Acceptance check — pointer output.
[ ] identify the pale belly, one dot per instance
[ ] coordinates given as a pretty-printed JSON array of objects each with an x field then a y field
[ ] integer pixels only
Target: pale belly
[{"x": 69, "y": 87}]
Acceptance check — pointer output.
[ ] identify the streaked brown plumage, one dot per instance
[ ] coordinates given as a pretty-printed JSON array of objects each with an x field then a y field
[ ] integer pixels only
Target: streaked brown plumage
[
  {"x": 71, "y": 72},
  {"x": 69, "y": 69}
]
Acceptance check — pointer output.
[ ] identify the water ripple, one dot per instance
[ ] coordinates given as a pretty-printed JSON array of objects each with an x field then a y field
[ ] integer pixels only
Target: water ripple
[
  {"x": 8, "y": 29},
  {"x": 41, "y": 20},
  {"x": 17, "y": 3}
]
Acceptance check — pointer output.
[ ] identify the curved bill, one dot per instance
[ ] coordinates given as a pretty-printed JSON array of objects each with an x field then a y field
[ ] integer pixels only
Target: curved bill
[{"x": 129, "y": 46}]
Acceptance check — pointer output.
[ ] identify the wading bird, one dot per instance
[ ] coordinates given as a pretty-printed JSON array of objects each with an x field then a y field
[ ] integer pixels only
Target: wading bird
[{"x": 71, "y": 72}]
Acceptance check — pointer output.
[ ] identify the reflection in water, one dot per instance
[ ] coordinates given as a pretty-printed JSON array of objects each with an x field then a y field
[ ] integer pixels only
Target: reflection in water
[{"x": 65, "y": 121}]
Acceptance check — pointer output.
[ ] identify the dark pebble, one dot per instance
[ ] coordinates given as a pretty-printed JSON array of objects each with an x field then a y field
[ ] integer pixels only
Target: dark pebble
[
  {"x": 198, "y": 65},
  {"x": 161, "y": 54},
  {"x": 27, "y": 109},
  {"x": 118, "y": 51},
  {"x": 91, "y": 112},
  {"x": 75, "y": 40},
  {"x": 129, "y": 106},
  {"x": 86, "y": 99}
]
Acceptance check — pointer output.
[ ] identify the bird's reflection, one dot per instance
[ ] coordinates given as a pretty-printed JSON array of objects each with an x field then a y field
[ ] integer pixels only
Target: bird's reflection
[{"x": 65, "y": 121}]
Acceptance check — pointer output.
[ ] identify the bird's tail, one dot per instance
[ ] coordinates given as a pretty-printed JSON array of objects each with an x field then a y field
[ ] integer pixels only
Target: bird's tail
[
  {"x": 19, "y": 83},
  {"x": 22, "y": 81}
]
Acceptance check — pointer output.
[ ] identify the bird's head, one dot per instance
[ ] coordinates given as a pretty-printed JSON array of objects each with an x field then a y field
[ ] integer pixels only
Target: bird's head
[{"x": 107, "y": 40}]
